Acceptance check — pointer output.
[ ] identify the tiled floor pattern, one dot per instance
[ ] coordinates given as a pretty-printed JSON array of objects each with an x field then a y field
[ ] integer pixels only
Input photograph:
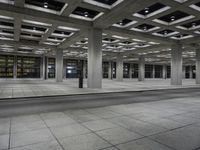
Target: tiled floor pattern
[
  {"x": 172, "y": 124},
  {"x": 31, "y": 88}
]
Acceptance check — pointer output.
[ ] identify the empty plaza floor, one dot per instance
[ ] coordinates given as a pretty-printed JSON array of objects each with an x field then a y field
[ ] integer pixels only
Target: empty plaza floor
[
  {"x": 33, "y": 88},
  {"x": 163, "y": 120}
]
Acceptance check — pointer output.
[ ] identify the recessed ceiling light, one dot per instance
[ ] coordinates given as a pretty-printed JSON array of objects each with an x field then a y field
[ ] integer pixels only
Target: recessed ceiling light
[
  {"x": 172, "y": 18},
  {"x": 86, "y": 14},
  {"x": 120, "y": 23},
  {"x": 165, "y": 33},
  {"x": 146, "y": 10},
  {"x": 145, "y": 28},
  {"x": 193, "y": 24},
  {"x": 45, "y": 5}
]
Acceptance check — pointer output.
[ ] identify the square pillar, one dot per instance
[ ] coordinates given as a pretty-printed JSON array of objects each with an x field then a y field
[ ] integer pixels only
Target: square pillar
[
  {"x": 153, "y": 74},
  {"x": 94, "y": 58},
  {"x": 64, "y": 68},
  {"x": 176, "y": 64},
  {"x": 119, "y": 67},
  {"x": 43, "y": 67},
  {"x": 130, "y": 70},
  {"x": 191, "y": 73},
  {"x": 46, "y": 67},
  {"x": 183, "y": 75},
  {"x": 59, "y": 65},
  {"x": 197, "y": 66},
  {"x": 15, "y": 67},
  {"x": 141, "y": 68},
  {"x": 164, "y": 72},
  {"x": 109, "y": 70},
  {"x": 84, "y": 69}
]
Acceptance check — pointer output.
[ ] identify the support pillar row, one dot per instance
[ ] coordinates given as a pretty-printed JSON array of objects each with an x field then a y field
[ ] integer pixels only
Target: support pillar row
[
  {"x": 15, "y": 67},
  {"x": 59, "y": 65},
  {"x": 94, "y": 58},
  {"x": 176, "y": 64},
  {"x": 110, "y": 70},
  {"x": 141, "y": 68},
  {"x": 164, "y": 72},
  {"x": 119, "y": 67}
]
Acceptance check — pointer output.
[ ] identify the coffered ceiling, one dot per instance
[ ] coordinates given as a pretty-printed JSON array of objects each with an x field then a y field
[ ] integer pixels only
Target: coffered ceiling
[{"x": 130, "y": 27}]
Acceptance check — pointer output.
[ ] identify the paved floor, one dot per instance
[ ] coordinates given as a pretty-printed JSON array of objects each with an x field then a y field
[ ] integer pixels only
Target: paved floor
[
  {"x": 172, "y": 123},
  {"x": 30, "y": 88}
]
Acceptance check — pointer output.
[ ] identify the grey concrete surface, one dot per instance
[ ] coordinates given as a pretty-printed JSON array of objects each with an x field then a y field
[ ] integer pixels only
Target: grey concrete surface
[
  {"x": 150, "y": 120},
  {"x": 33, "y": 88}
]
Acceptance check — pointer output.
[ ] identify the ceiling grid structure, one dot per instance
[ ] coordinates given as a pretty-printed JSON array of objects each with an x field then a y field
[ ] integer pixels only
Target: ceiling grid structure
[{"x": 130, "y": 27}]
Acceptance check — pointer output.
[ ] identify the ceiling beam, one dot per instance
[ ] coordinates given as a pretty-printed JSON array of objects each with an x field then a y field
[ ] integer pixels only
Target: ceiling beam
[
  {"x": 77, "y": 36},
  {"x": 32, "y": 44},
  {"x": 30, "y": 14},
  {"x": 18, "y": 20},
  {"x": 121, "y": 11},
  {"x": 134, "y": 34}
]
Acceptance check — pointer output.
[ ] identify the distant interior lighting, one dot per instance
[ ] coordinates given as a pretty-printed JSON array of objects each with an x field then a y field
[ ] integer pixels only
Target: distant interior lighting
[
  {"x": 165, "y": 33},
  {"x": 193, "y": 25},
  {"x": 145, "y": 28},
  {"x": 45, "y": 5}
]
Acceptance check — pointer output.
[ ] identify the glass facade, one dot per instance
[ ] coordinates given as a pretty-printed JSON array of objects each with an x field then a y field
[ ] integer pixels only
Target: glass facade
[
  {"x": 71, "y": 69},
  {"x": 51, "y": 67},
  {"x": 28, "y": 67},
  {"x": 114, "y": 69},
  {"x": 193, "y": 72},
  {"x": 135, "y": 71},
  {"x": 148, "y": 71},
  {"x": 105, "y": 68},
  {"x": 158, "y": 71},
  {"x": 126, "y": 69},
  {"x": 6, "y": 66},
  {"x": 168, "y": 71},
  {"x": 190, "y": 72}
]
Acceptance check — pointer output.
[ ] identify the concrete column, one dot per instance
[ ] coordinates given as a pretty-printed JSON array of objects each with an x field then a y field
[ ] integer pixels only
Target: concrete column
[
  {"x": 94, "y": 58},
  {"x": 64, "y": 68},
  {"x": 46, "y": 74},
  {"x": 198, "y": 66},
  {"x": 43, "y": 67},
  {"x": 130, "y": 70},
  {"x": 109, "y": 70},
  {"x": 15, "y": 67},
  {"x": 164, "y": 72},
  {"x": 119, "y": 67},
  {"x": 59, "y": 65},
  {"x": 190, "y": 72},
  {"x": 141, "y": 68},
  {"x": 43, "y": 71},
  {"x": 183, "y": 75},
  {"x": 176, "y": 64},
  {"x": 153, "y": 74},
  {"x": 84, "y": 69}
]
